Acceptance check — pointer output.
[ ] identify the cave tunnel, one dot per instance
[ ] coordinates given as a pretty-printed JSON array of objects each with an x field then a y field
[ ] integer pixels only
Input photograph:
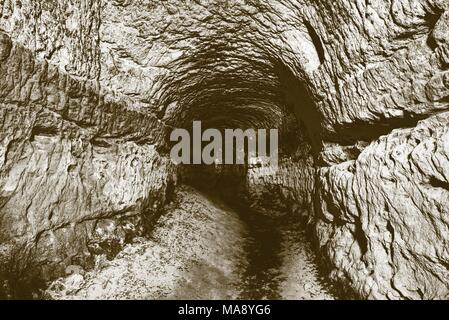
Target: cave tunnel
[
  {"x": 224, "y": 88},
  {"x": 92, "y": 205}
]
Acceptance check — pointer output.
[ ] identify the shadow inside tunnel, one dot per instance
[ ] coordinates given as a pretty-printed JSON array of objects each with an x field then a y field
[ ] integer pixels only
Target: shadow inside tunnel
[{"x": 271, "y": 234}]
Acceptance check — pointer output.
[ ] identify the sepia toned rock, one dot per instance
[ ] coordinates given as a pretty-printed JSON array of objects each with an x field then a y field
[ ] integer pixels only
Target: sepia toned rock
[{"x": 359, "y": 91}]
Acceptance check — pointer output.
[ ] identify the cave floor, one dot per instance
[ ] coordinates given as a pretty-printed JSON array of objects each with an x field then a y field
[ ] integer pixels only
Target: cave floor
[{"x": 202, "y": 249}]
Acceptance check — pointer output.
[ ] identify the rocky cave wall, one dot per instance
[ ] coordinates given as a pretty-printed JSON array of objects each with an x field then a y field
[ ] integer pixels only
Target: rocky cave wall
[{"x": 90, "y": 90}]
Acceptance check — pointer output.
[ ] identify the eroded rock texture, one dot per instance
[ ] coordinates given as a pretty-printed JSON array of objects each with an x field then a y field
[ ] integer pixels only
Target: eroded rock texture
[{"x": 90, "y": 89}]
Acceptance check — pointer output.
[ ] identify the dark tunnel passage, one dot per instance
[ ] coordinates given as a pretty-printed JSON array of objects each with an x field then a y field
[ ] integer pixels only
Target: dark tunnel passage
[{"x": 224, "y": 88}]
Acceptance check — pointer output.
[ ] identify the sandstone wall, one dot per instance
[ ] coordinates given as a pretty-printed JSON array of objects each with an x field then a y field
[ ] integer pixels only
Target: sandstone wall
[{"x": 80, "y": 169}]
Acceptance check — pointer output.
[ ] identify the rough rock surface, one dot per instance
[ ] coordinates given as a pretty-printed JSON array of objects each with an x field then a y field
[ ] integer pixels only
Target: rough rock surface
[
  {"x": 72, "y": 158},
  {"x": 196, "y": 251},
  {"x": 90, "y": 89}
]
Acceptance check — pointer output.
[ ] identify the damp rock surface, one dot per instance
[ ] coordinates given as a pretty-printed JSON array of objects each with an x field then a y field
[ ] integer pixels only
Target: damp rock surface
[{"x": 201, "y": 249}]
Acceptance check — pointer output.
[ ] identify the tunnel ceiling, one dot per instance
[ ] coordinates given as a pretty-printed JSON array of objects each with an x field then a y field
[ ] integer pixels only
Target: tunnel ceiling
[
  {"x": 222, "y": 65},
  {"x": 231, "y": 75}
]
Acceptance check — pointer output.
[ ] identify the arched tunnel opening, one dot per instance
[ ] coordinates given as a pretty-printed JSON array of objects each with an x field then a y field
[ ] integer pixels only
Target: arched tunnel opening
[{"x": 223, "y": 88}]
